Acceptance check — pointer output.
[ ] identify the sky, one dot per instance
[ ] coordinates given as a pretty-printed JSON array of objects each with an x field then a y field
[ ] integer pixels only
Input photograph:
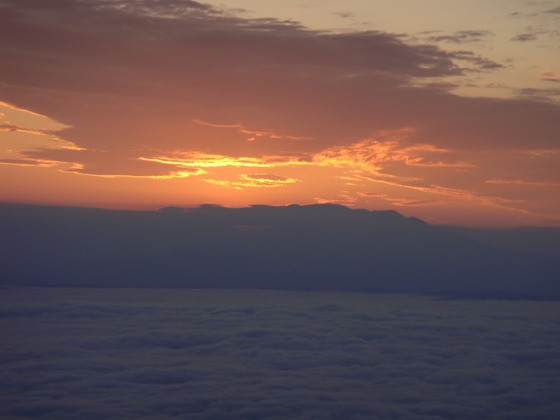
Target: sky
[{"x": 444, "y": 110}]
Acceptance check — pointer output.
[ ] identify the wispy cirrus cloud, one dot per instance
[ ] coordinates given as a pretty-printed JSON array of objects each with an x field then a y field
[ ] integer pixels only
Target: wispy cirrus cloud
[
  {"x": 524, "y": 37},
  {"x": 253, "y": 181},
  {"x": 550, "y": 76},
  {"x": 460, "y": 37},
  {"x": 555, "y": 10}
]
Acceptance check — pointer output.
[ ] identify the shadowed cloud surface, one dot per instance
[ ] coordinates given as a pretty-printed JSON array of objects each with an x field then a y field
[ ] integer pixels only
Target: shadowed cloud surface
[{"x": 225, "y": 354}]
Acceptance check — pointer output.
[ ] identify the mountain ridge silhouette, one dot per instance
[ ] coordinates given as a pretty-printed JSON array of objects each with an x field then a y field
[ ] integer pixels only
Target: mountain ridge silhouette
[{"x": 315, "y": 247}]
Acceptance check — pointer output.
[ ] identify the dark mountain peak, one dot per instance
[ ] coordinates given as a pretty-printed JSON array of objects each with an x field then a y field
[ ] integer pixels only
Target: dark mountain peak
[
  {"x": 315, "y": 247},
  {"x": 172, "y": 209},
  {"x": 323, "y": 214}
]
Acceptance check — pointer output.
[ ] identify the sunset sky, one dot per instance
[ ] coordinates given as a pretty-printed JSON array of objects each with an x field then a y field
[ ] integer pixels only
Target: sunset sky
[{"x": 445, "y": 110}]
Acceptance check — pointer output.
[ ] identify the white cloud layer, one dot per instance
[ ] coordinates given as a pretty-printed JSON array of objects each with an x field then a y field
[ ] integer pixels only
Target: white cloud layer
[{"x": 202, "y": 354}]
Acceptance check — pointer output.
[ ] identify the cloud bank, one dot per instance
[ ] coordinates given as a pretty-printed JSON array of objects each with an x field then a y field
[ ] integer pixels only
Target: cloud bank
[{"x": 202, "y": 354}]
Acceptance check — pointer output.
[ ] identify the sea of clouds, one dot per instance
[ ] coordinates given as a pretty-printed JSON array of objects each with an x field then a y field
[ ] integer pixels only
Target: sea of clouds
[{"x": 245, "y": 354}]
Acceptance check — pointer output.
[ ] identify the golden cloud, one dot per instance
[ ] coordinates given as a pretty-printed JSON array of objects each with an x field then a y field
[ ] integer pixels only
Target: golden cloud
[{"x": 253, "y": 181}]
